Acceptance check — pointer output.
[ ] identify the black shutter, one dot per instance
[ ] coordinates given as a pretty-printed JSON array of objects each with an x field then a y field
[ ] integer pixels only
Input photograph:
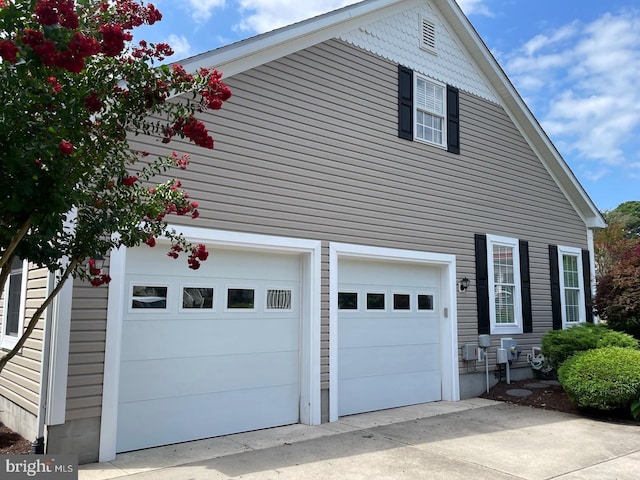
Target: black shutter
[
  {"x": 405, "y": 102},
  {"x": 586, "y": 275},
  {"x": 556, "y": 306},
  {"x": 525, "y": 287},
  {"x": 482, "y": 285},
  {"x": 453, "y": 120}
]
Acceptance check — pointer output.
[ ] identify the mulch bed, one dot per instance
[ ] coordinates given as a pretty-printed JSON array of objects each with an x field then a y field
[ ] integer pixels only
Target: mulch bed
[
  {"x": 11, "y": 443},
  {"x": 552, "y": 397}
]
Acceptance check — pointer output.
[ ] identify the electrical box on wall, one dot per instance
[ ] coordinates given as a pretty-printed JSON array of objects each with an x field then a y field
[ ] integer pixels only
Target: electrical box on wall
[
  {"x": 484, "y": 341},
  {"x": 511, "y": 346},
  {"x": 470, "y": 351}
]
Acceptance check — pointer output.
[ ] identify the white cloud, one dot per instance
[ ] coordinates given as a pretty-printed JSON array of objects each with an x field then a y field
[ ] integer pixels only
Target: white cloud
[
  {"x": 201, "y": 10},
  {"x": 180, "y": 45},
  {"x": 581, "y": 80},
  {"x": 478, "y": 7},
  {"x": 261, "y": 16}
]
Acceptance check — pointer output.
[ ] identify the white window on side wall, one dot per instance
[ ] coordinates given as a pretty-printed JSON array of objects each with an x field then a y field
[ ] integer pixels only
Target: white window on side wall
[
  {"x": 430, "y": 111},
  {"x": 15, "y": 293},
  {"x": 505, "y": 296},
  {"x": 571, "y": 286}
]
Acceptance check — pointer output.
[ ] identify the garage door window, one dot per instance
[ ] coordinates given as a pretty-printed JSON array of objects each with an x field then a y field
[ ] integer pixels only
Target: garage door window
[
  {"x": 401, "y": 301},
  {"x": 149, "y": 296},
  {"x": 241, "y": 298},
  {"x": 375, "y": 301},
  {"x": 197, "y": 298},
  {"x": 278, "y": 299},
  {"x": 347, "y": 301},
  {"x": 425, "y": 302}
]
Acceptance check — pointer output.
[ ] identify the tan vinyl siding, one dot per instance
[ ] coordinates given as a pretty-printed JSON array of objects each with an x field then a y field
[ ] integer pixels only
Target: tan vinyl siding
[
  {"x": 307, "y": 147},
  {"x": 20, "y": 379},
  {"x": 86, "y": 351}
]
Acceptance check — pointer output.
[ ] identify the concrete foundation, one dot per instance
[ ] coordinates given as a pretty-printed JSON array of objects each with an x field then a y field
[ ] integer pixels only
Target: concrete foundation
[
  {"x": 75, "y": 437},
  {"x": 18, "y": 419}
]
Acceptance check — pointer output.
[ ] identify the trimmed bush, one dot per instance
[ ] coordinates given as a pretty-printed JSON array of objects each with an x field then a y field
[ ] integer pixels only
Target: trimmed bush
[
  {"x": 605, "y": 378},
  {"x": 558, "y": 345}
]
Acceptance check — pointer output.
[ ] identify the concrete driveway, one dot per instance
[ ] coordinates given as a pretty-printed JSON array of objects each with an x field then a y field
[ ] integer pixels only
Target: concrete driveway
[{"x": 473, "y": 439}]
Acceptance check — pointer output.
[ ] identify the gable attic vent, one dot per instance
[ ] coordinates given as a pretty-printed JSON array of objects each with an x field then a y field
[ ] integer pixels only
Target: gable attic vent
[{"x": 428, "y": 35}]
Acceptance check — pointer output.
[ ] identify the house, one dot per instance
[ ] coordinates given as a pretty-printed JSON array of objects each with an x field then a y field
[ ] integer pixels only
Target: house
[{"x": 370, "y": 160}]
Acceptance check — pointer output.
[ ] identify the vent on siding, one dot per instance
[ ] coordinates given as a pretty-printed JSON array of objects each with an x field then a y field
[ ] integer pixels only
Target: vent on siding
[
  {"x": 428, "y": 35},
  {"x": 278, "y": 299}
]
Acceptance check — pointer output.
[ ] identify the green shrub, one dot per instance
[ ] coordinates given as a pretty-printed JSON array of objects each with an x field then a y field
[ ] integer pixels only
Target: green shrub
[
  {"x": 604, "y": 378},
  {"x": 558, "y": 345}
]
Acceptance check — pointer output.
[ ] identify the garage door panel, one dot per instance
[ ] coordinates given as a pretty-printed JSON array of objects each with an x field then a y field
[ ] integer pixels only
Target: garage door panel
[
  {"x": 374, "y": 361},
  {"x": 366, "y": 332},
  {"x": 388, "y": 358},
  {"x": 396, "y": 274},
  {"x": 146, "y": 380},
  {"x": 187, "y": 338},
  {"x": 196, "y": 373},
  {"x": 377, "y": 393},
  {"x": 163, "y": 421}
]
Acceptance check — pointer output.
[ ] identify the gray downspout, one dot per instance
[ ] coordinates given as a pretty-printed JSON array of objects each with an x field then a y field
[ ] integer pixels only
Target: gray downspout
[{"x": 38, "y": 446}]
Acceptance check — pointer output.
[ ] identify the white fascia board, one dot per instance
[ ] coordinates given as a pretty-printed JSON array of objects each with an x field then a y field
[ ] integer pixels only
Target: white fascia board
[
  {"x": 522, "y": 116},
  {"x": 244, "y": 55}
]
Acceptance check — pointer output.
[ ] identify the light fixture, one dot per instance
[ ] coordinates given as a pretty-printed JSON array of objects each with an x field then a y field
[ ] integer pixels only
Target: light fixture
[{"x": 464, "y": 284}]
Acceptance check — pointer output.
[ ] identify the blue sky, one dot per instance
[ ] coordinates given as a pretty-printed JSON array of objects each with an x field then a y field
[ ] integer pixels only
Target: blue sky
[{"x": 575, "y": 62}]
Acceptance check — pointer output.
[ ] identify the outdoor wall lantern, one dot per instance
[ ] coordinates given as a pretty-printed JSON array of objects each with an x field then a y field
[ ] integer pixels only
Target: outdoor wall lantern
[{"x": 464, "y": 284}]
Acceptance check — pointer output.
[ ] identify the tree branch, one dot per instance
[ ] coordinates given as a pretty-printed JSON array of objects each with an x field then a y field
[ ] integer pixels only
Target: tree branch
[
  {"x": 17, "y": 238},
  {"x": 38, "y": 313}
]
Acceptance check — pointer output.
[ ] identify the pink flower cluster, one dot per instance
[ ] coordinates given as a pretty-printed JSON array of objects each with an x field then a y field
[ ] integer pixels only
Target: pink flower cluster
[
  {"x": 54, "y": 12},
  {"x": 181, "y": 161},
  {"x": 72, "y": 59},
  {"x": 8, "y": 51},
  {"x": 96, "y": 277},
  {"x": 134, "y": 13},
  {"x": 198, "y": 254},
  {"x": 216, "y": 92},
  {"x": 65, "y": 147}
]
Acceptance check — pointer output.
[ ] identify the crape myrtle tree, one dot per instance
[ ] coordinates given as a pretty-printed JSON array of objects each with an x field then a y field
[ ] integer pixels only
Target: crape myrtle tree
[
  {"x": 73, "y": 88},
  {"x": 617, "y": 249}
]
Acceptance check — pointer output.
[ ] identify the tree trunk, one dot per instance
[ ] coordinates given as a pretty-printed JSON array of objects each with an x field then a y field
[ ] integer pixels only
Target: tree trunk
[{"x": 38, "y": 313}]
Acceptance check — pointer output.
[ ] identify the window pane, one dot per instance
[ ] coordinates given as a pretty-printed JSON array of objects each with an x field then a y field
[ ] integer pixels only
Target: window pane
[
  {"x": 425, "y": 302},
  {"x": 278, "y": 299},
  {"x": 149, "y": 297},
  {"x": 401, "y": 301},
  {"x": 570, "y": 267},
  {"x": 196, "y": 297},
  {"x": 12, "y": 319},
  {"x": 505, "y": 309},
  {"x": 347, "y": 301},
  {"x": 572, "y": 305},
  {"x": 375, "y": 301},
  {"x": 240, "y": 298},
  {"x": 503, "y": 264}
]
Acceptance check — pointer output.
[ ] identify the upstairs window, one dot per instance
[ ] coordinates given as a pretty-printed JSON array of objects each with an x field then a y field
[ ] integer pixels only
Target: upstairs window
[{"x": 430, "y": 111}]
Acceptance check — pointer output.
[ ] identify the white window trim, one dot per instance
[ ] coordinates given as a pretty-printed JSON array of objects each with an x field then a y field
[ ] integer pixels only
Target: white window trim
[
  {"x": 516, "y": 327},
  {"x": 574, "y": 252},
  {"x": 8, "y": 341},
  {"x": 443, "y": 143}
]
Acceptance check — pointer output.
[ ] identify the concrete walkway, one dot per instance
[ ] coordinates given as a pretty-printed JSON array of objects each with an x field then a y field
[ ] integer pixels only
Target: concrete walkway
[{"x": 473, "y": 439}]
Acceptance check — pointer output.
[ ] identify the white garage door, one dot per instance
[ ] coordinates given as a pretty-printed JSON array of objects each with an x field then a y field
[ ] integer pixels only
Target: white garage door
[
  {"x": 388, "y": 332},
  {"x": 208, "y": 352}
]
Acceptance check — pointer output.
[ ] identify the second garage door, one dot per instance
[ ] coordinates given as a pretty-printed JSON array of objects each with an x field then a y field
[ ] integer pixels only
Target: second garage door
[
  {"x": 210, "y": 352},
  {"x": 388, "y": 332}
]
